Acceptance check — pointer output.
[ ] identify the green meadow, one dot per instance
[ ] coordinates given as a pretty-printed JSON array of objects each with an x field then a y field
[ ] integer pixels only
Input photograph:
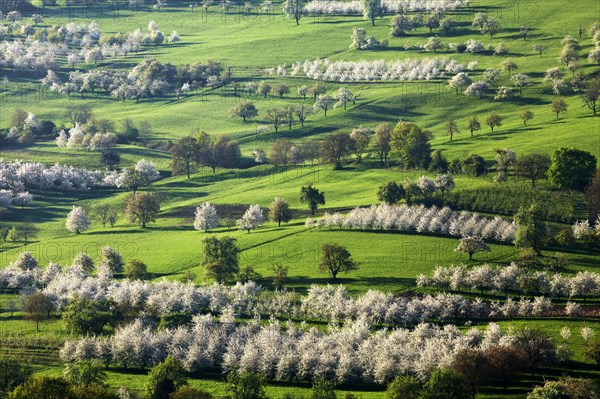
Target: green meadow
[{"x": 247, "y": 44}]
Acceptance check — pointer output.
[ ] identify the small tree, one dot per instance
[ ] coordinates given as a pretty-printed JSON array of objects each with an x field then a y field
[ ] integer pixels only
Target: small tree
[
  {"x": 473, "y": 124},
  {"x": 403, "y": 387},
  {"x": 472, "y": 245},
  {"x": 252, "y": 218},
  {"x": 526, "y": 116},
  {"x": 191, "y": 393},
  {"x": 246, "y": 385},
  {"x": 493, "y": 120},
  {"x": 221, "y": 258},
  {"x": 591, "y": 93},
  {"x": 390, "y": 192},
  {"x": 206, "y": 217},
  {"x": 531, "y": 230},
  {"x": 336, "y": 258},
  {"x": 37, "y": 307},
  {"x": 13, "y": 372},
  {"x": 322, "y": 389},
  {"x": 558, "y": 105},
  {"x": 540, "y": 48},
  {"x": 279, "y": 211},
  {"x": 77, "y": 220},
  {"x": 264, "y": 88},
  {"x": 110, "y": 159},
  {"x": 85, "y": 373},
  {"x": 104, "y": 213},
  {"x": 282, "y": 89},
  {"x": 84, "y": 261},
  {"x": 371, "y": 10},
  {"x": 25, "y": 261},
  {"x": 165, "y": 378},
  {"x": 324, "y": 102},
  {"x": 509, "y": 65},
  {"x": 52, "y": 387},
  {"x": 244, "y": 110},
  {"x": 142, "y": 208},
  {"x": 434, "y": 44},
  {"x": 280, "y": 273},
  {"x": 111, "y": 258},
  {"x": 445, "y": 383},
  {"x": 451, "y": 128},
  {"x": 312, "y": 197},
  {"x": 136, "y": 270}
]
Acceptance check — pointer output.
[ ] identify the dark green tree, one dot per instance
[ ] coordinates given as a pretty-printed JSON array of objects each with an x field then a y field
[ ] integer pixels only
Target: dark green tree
[
  {"x": 410, "y": 144},
  {"x": 136, "y": 270},
  {"x": 13, "y": 372},
  {"x": 322, "y": 389},
  {"x": 390, "y": 192},
  {"x": 336, "y": 258},
  {"x": 246, "y": 385},
  {"x": 403, "y": 387},
  {"x": 221, "y": 258},
  {"x": 85, "y": 316},
  {"x": 312, "y": 196},
  {"x": 572, "y": 169},
  {"x": 445, "y": 383},
  {"x": 165, "y": 378},
  {"x": 531, "y": 229}
]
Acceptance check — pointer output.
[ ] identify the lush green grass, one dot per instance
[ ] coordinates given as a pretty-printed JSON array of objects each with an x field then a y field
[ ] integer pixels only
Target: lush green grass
[{"x": 218, "y": 37}]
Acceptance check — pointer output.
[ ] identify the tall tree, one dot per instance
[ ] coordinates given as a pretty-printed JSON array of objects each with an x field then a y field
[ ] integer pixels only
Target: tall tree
[
  {"x": 335, "y": 147},
  {"x": 185, "y": 156},
  {"x": 244, "y": 110},
  {"x": 451, "y": 128},
  {"x": 493, "y": 120},
  {"x": 410, "y": 144},
  {"x": 360, "y": 141},
  {"x": 279, "y": 211},
  {"x": 293, "y": 9},
  {"x": 37, "y": 307},
  {"x": 312, "y": 196},
  {"x": 558, "y": 105},
  {"x": 77, "y": 220},
  {"x": 336, "y": 258},
  {"x": 381, "y": 142},
  {"x": 372, "y": 9},
  {"x": 142, "y": 208},
  {"x": 221, "y": 258},
  {"x": 165, "y": 378},
  {"x": 572, "y": 169},
  {"x": 281, "y": 152},
  {"x": 532, "y": 167},
  {"x": 531, "y": 229},
  {"x": 206, "y": 217}
]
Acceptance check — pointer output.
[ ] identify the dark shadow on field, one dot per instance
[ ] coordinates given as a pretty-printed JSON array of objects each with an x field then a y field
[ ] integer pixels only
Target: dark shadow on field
[{"x": 367, "y": 282}]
